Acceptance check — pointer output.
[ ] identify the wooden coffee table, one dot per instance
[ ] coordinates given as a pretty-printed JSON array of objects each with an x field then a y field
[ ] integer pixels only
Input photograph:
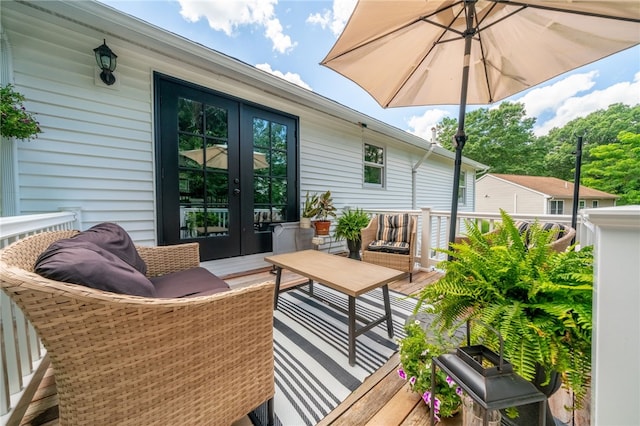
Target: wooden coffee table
[{"x": 347, "y": 276}]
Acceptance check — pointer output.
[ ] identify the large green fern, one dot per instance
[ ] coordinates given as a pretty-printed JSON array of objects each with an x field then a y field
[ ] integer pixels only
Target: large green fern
[{"x": 538, "y": 299}]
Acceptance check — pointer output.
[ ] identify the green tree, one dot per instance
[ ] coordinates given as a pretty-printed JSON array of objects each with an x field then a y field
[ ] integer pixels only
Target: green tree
[
  {"x": 598, "y": 128},
  {"x": 501, "y": 138},
  {"x": 615, "y": 168}
]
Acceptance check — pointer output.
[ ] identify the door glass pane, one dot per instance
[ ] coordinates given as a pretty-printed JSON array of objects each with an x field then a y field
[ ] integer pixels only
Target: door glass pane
[
  {"x": 217, "y": 204},
  {"x": 217, "y": 157},
  {"x": 189, "y": 116},
  {"x": 269, "y": 173},
  {"x": 216, "y": 122},
  {"x": 279, "y": 140},
  {"x": 203, "y": 169}
]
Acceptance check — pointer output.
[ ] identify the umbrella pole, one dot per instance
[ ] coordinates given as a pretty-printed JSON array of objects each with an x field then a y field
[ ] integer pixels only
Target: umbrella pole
[
  {"x": 576, "y": 187},
  {"x": 461, "y": 138}
]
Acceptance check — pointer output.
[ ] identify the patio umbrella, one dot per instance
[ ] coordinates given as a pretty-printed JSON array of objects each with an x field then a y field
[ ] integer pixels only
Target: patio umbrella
[
  {"x": 216, "y": 157},
  {"x": 435, "y": 52}
]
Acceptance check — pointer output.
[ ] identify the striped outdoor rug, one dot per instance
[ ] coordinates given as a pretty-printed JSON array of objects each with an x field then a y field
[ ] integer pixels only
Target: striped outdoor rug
[{"x": 312, "y": 371}]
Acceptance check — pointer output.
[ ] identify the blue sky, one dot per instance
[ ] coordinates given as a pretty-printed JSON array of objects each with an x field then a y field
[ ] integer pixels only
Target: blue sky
[{"x": 289, "y": 38}]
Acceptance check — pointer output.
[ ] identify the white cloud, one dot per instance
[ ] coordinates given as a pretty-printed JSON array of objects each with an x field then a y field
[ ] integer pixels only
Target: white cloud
[
  {"x": 421, "y": 125},
  {"x": 549, "y": 98},
  {"x": 573, "y": 107},
  {"x": 224, "y": 15},
  {"x": 336, "y": 18},
  {"x": 289, "y": 76}
]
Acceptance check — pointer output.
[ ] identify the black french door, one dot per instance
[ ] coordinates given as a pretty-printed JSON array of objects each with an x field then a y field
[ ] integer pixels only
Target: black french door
[{"x": 226, "y": 170}]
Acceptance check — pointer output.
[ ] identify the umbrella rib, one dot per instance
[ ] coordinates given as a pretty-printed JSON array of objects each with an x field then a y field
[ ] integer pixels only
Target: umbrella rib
[
  {"x": 497, "y": 21},
  {"x": 373, "y": 40},
  {"x": 446, "y": 29},
  {"x": 573, "y": 12},
  {"x": 393, "y": 30},
  {"x": 478, "y": 31},
  {"x": 437, "y": 24}
]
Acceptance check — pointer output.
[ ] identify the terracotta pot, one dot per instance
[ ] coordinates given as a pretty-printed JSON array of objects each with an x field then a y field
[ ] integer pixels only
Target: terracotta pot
[{"x": 322, "y": 227}]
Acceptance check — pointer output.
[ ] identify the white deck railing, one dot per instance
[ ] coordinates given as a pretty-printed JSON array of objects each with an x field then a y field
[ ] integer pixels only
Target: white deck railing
[
  {"x": 21, "y": 351},
  {"x": 435, "y": 230}
]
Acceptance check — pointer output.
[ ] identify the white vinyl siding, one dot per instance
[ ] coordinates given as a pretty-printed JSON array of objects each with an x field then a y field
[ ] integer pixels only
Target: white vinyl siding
[
  {"x": 494, "y": 194},
  {"x": 95, "y": 151}
]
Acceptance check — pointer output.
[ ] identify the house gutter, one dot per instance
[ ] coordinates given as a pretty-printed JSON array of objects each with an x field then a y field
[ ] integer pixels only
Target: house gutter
[{"x": 414, "y": 169}]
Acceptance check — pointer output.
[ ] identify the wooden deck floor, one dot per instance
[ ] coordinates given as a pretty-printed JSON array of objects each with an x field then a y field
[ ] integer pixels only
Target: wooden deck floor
[{"x": 383, "y": 399}]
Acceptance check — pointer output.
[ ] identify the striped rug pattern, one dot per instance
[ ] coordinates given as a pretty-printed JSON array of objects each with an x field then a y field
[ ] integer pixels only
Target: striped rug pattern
[{"x": 312, "y": 370}]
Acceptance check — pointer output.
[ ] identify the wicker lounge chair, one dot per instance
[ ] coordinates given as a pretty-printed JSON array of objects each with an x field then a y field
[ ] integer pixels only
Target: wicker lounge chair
[
  {"x": 132, "y": 360},
  {"x": 560, "y": 244},
  {"x": 401, "y": 262}
]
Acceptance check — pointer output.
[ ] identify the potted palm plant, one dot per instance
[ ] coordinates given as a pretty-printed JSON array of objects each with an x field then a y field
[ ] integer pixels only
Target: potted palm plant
[
  {"x": 324, "y": 209},
  {"x": 309, "y": 210},
  {"x": 538, "y": 299},
  {"x": 349, "y": 225}
]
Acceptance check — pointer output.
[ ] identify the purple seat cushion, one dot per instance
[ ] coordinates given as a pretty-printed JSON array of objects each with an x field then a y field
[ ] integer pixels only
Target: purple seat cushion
[
  {"x": 188, "y": 283},
  {"x": 114, "y": 239},
  {"x": 85, "y": 263}
]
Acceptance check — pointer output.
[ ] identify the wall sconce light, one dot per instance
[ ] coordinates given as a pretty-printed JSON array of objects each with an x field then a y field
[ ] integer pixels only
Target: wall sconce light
[{"x": 106, "y": 60}]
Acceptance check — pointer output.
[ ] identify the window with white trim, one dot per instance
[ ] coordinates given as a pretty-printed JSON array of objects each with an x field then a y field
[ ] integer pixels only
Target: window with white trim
[
  {"x": 594, "y": 203},
  {"x": 374, "y": 165},
  {"x": 462, "y": 189},
  {"x": 556, "y": 207}
]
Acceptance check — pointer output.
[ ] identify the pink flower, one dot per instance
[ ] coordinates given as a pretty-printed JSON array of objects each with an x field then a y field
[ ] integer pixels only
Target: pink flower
[
  {"x": 402, "y": 374},
  {"x": 450, "y": 382},
  {"x": 436, "y": 405}
]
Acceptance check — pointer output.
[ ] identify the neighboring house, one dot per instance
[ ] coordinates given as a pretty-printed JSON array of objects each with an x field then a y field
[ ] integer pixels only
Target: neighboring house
[
  {"x": 535, "y": 195},
  {"x": 133, "y": 152}
]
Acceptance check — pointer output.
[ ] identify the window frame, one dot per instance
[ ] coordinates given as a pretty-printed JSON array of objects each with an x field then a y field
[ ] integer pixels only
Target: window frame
[
  {"x": 379, "y": 166},
  {"x": 556, "y": 203},
  {"x": 462, "y": 189}
]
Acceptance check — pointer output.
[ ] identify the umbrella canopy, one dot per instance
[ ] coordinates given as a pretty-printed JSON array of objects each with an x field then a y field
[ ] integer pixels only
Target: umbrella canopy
[
  {"x": 435, "y": 52},
  {"x": 217, "y": 157}
]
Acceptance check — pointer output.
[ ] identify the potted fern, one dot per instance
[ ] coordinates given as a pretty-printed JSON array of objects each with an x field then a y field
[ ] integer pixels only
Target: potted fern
[
  {"x": 539, "y": 300},
  {"x": 349, "y": 225}
]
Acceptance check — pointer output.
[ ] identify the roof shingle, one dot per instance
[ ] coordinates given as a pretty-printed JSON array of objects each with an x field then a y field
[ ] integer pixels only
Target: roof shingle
[{"x": 553, "y": 186}]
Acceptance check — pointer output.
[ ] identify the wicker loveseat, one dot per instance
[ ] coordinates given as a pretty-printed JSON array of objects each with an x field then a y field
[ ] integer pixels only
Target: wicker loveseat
[
  {"x": 396, "y": 254},
  {"x": 562, "y": 235},
  {"x": 131, "y": 360}
]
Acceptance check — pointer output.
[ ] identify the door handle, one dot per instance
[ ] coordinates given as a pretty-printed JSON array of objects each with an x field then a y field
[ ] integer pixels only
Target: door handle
[{"x": 236, "y": 191}]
